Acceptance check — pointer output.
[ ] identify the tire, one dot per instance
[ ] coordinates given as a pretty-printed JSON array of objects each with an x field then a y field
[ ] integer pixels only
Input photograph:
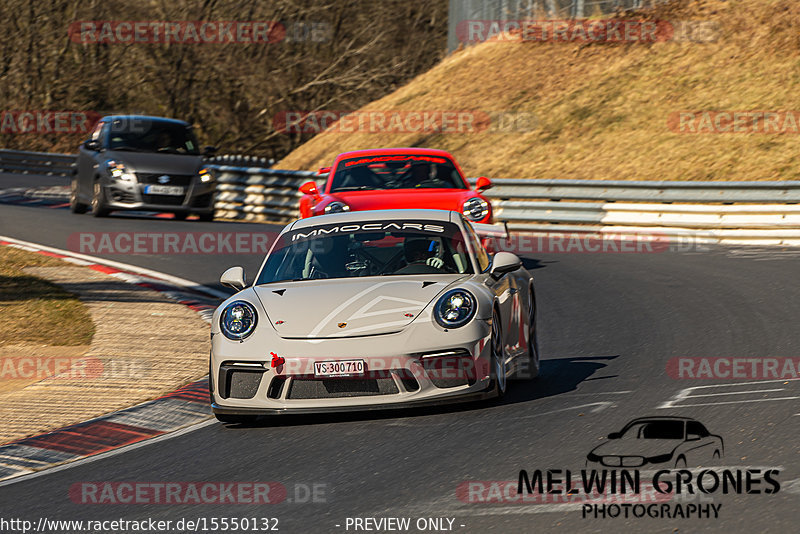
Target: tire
[
  {"x": 236, "y": 419},
  {"x": 533, "y": 341},
  {"x": 181, "y": 216},
  {"x": 499, "y": 367},
  {"x": 99, "y": 208},
  {"x": 74, "y": 205},
  {"x": 206, "y": 217}
]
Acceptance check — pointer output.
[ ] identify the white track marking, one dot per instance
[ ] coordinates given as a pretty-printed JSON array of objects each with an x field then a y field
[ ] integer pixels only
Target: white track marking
[
  {"x": 109, "y": 454},
  {"x": 677, "y": 401},
  {"x": 181, "y": 282}
]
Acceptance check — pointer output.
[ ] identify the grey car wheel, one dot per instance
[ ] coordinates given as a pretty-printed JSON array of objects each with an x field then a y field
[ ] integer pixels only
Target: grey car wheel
[
  {"x": 499, "y": 368},
  {"x": 99, "y": 208},
  {"x": 74, "y": 205},
  {"x": 533, "y": 341}
]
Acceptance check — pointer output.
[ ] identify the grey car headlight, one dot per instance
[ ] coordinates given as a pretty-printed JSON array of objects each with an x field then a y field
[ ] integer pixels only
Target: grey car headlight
[
  {"x": 119, "y": 171},
  {"x": 475, "y": 208},
  {"x": 455, "y": 308},
  {"x": 336, "y": 207},
  {"x": 238, "y": 320}
]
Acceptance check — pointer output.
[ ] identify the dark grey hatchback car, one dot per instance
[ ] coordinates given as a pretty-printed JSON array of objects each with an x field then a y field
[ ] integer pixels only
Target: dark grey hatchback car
[{"x": 136, "y": 162}]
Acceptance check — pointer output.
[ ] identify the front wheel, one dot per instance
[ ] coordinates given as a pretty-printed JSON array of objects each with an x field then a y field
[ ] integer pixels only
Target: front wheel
[
  {"x": 499, "y": 367},
  {"x": 99, "y": 208},
  {"x": 533, "y": 341},
  {"x": 74, "y": 205}
]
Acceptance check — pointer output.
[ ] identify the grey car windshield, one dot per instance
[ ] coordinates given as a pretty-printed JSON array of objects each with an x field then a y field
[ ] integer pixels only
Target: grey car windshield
[
  {"x": 367, "y": 249},
  {"x": 139, "y": 135},
  {"x": 396, "y": 172},
  {"x": 655, "y": 430}
]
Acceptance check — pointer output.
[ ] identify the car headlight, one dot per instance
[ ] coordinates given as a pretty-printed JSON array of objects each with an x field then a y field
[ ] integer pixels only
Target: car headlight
[
  {"x": 119, "y": 171},
  {"x": 205, "y": 175},
  {"x": 336, "y": 207},
  {"x": 660, "y": 459},
  {"x": 455, "y": 308},
  {"x": 475, "y": 208},
  {"x": 238, "y": 320}
]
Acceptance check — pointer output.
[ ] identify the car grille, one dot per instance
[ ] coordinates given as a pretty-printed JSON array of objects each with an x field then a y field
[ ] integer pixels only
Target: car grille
[
  {"x": 163, "y": 200},
  {"x": 174, "y": 179},
  {"x": 243, "y": 384},
  {"x": 331, "y": 388},
  {"x": 202, "y": 201},
  {"x": 622, "y": 461}
]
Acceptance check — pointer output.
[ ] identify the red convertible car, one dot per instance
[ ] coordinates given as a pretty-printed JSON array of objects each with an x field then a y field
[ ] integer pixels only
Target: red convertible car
[{"x": 396, "y": 178}]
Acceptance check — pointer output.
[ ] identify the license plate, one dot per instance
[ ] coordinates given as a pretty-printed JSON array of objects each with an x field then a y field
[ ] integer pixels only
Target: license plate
[
  {"x": 340, "y": 368},
  {"x": 164, "y": 190}
]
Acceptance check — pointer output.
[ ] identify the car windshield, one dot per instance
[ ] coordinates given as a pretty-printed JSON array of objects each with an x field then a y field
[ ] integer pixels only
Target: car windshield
[
  {"x": 655, "y": 430},
  {"x": 374, "y": 248},
  {"x": 142, "y": 135},
  {"x": 396, "y": 172}
]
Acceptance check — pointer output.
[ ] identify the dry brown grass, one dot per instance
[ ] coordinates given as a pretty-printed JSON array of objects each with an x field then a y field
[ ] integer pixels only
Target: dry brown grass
[
  {"x": 34, "y": 310},
  {"x": 602, "y": 109}
]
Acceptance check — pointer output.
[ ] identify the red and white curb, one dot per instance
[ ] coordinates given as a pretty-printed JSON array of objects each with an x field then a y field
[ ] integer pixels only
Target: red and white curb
[{"x": 180, "y": 409}]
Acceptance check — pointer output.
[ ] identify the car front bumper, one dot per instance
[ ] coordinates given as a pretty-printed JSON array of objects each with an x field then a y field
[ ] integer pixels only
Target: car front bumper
[{"x": 247, "y": 384}]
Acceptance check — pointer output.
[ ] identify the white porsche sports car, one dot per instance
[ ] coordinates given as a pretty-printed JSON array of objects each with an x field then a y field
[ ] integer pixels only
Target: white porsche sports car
[{"x": 372, "y": 310}]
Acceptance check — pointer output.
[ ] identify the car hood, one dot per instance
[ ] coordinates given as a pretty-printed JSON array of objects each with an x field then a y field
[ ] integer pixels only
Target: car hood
[
  {"x": 152, "y": 162},
  {"x": 637, "y": 447},
  {"x": 350, "y": 307},
  {"x": 451, "y": 199}
]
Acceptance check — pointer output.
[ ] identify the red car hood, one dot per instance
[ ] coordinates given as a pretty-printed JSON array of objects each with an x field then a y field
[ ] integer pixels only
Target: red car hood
[{"x": 449, "y": 199}]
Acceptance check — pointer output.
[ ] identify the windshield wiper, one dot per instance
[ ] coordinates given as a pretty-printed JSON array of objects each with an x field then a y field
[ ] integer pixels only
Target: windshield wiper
[
  {"x": 353, "y": 188},
  {"x": 129, "y": 149}
]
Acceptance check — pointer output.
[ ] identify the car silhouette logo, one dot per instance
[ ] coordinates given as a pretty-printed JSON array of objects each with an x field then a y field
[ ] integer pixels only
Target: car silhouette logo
[
  {"x": 675, "y": 441},
  {"x": 163, "y": 179}
]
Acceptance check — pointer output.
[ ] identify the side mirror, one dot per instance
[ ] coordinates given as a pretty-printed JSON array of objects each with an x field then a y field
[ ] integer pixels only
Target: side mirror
[
  {"x": 209, "y": 150},
  {"x": 92, "y": 145},
  {"x": 483, "y": 184},
  {"x": 323, "y": 170},
  {"x": 614, "y": 435},
  {"x": 233, "y": 277},
  {"x": 505, "y": 262},
  {"x": 309, "y": 188}
]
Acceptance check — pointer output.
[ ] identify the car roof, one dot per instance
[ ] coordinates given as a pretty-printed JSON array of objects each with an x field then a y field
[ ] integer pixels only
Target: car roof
[
  {"x": 373, "y": 215},
  {"x": 661, "y": 418},
  {"x": 394, "y": 152},
  {"x": 149, "y": 118}
]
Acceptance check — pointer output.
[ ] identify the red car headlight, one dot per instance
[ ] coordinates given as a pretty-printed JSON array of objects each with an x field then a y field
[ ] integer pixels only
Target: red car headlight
[{"x": 475, "y": 209}]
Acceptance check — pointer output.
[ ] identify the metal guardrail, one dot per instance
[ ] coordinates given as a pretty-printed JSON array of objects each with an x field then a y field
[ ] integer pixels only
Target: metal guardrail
[
  {"x": 736, "y": 212},
  {"x": 42, "y": 163},
  {"x": 259, "y": 194}
]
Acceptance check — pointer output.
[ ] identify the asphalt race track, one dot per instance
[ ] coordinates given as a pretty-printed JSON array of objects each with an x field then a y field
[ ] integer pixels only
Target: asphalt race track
[{"x": 609, "y": 324}]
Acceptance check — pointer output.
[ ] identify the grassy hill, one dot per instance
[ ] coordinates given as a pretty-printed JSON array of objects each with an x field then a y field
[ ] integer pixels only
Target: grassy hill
[{"x": 608, "y": 111}]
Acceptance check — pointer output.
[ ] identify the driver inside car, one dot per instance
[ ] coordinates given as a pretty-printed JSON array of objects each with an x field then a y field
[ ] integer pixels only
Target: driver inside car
[
  {"x": 419, "y": 174},
  {"x": 421, "y": 256}
]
